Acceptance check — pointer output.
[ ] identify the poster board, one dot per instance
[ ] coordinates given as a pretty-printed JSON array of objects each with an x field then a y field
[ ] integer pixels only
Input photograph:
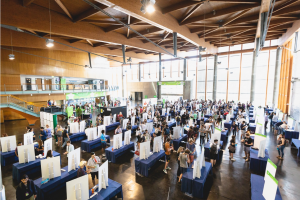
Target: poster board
[
  {"x": 290, "y": 122},
  {"x": 144, "y": 150},
  {"x": 100, "y": 128},
  {"x": 106, "y": 120},
  {"x": 262, "y": 148},
  {"x": 78, "y": 188},
  {"x": 127, "y": 137},
  {"x": 50, "y": 168},
  {"x": 216, "y": 136},
  {"x": 74, "y": 159},
  {"x": 117, "y": 141},
  {"x": 8, "y": 143},
  {"x": 271, "y": 167},
  {"x": 176, "y": 132},
  {"x": 257, "y": 139},
  {"x": 270, "y": 187},
  {"x": 149, "y": 127},
  {"x": 26, "y": 153},
  {"x": 157, "y": 144},
  {"x": 103, "y": 176},
  {"x": 47, "y": 146},
  {"x": 28, "y": 138}
]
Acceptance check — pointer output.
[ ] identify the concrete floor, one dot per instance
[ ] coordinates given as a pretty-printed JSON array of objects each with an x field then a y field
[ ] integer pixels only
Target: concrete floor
[{"x": 230, "y": 180}]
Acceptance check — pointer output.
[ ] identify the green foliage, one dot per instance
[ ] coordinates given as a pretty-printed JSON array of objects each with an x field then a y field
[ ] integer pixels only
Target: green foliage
[{"x": 78, "y": 112}]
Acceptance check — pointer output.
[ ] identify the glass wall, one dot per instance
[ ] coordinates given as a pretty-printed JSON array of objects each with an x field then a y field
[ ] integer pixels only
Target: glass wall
[
  {"x": 247, "y": 59},
  {"x": 222, "y": 77},
  {"x": 234, "y": 77},
  {"x": 201, "y": 76},
  {"x": 210, "y": 77},
  {"x": 261, "y": 78}
]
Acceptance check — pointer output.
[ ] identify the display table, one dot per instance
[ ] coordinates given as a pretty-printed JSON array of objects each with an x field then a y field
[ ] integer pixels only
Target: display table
[
  {"x": 251, "y": 120},
  {"x": 258, "y": 164},
  {"x": 228, "y": 125},
  {"x": 112, "y": 155},
  {"x": 112, "y": 126},
  {"x": 252, "y": 127},
  {"x": 172, "y": 124},
  {"x": 208, "y": 116},
  {"x": 177, "y": 142},
  {"x": 142, "y": 166},
  {"x": 250, "y": 114},
  {"x": 10, "y": 157},
  {"x": 257, "y": 187},
  {"x": 114, "y": 189},
  {"x": 28, "y": 168},
  {"x": 290, "y": 134},
  {"x": 207, "y": 151},
  {"x": 224, "y": 135},
  {"x": 188, "y": 108},
  {"x": 296, "y": 143},
  {"x": 75, "y": 137},
  {"x": 45, "y": 191},
  {"x": 196, "y": 186},
  {"x": 88, "y": 146}
]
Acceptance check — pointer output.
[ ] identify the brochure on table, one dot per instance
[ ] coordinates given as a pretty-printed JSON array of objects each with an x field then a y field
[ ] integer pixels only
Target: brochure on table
[
  {"x": 8, "y": 143},
  {"x": 127, "y": 137},
  {"x": 103, "y": 176},
  {"x": 271, "y": 168},
  {"x": 100, "y": 128},
  {"x": 216, "y": 136},
  {"x": 125, "y": 121},
  {"x": 50, "y": 168},
  {"x": 257, "y": 139},
  {"x": 117, "y": 141},
  {"x": 270, "y": 187},
  {"x": 176, "y": 132},
  {"x": 149, "y": 127},
  {"x": 144, "y": 150},
  {"x": 78, "y": 188},
  {"x": 28, "y": 138},
  {"x": 262, "y": 148},
  {"x": 47, "y": 146},
  {"x": 157, "y": 144},
  {"x": 74, "y": 159},
  {"x": 106, "y": 120},
  {"x": 26, "y": 153}
]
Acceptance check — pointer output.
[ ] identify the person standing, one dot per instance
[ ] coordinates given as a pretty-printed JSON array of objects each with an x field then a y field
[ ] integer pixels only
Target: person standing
[
  {"x": 214, "y": 148},
  {"x": 81, "y": 171},
  {"x": 43, "y": 134},
  {"x": 266, "y": 119},
  {"x": 59, "y": 131},
  {"x": 243, "y": 129},
  {"x": 184, "y": 160},
  {"x": 70, "y": 147},
  {"x": 280, "y": 146},
  {"x": 93, "y": 165},
  {"x": 65, "y": 136},
  {"x": 103, "y": 140},
  {"x": 248, "y": 143},
  {"x": 16, "y": 150},
  {"x": 168, "y": 149},
  {"x": 234, "y": 128},
  {"x": 118, "y": 130},
  {"x": 26, "y": 189},
  {"x": 48, "y": 131},
  {"x": 40, "y": 148},
  {"x": 232, "y": 147}
]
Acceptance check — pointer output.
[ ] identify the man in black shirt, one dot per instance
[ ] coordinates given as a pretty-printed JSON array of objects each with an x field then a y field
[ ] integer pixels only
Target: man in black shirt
[
  {"x": 234, "y": 128},
  {"x": 26, "y": 189},
  {"x": 248, "y": 143}
]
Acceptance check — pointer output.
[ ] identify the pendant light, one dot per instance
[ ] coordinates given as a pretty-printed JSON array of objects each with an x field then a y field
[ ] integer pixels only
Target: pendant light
[
  {"x": 50, "y": 42},
  {"x": 11, "y": 56}
]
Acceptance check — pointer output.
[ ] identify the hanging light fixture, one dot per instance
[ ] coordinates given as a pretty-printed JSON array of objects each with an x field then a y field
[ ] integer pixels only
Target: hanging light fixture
[
  {"x": 50, "y": 42},
  {"x": 11, "y": 56},
  {"x": 147, "y": 6}
]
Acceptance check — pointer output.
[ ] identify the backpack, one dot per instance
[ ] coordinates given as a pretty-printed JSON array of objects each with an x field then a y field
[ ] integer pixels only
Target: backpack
[
  {"x": 213, "y": 149},
  {"x": 167, "y": 131},
  {"x": 178, "y": 119}
]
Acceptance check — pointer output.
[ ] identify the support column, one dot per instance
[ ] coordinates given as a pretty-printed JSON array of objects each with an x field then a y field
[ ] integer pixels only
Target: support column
[
  {"x": 123, "y": 82},
  {"x": 159, "y": 77},
  {"x": 140, "y": 72},
  {"x": 123, "y": 51},
  {"x": 253, "y": 75},
  {"x": 175, "y": 43},
  {"x": 277, "y": 76},
  {"x": 214, "y": 97},
  {"x": 184, "y": 69}
]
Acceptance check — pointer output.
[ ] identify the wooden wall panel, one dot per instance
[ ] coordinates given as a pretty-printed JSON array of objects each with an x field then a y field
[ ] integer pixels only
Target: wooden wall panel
[
  {"x": 1, "y": 116},
  {"x": 11, "y": 115},
  {"x": 41, "y": 97}
]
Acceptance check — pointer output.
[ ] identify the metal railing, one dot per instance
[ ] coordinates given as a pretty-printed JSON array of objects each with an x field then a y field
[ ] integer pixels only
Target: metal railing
[{"x": 10, "y": 100}]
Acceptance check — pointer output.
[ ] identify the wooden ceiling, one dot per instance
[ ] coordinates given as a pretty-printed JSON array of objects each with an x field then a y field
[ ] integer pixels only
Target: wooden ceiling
[{"x": 219, "y": 22}]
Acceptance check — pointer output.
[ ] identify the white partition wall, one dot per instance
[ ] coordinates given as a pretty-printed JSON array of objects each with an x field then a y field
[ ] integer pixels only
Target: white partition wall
[
  {"x": 28, "y": 138},
  {"x": 78, "y": 188},
  {"x": 50, "y": 168},
  {"x": 106, "y": 120},
  {"x": 47, "y": 146},
  {"x": 144, "y": 150},
  {"x": 103, "y": 176},
  {"x": 117, "y": 141},
  {"x": 74, "y": 159},
  {"x": 26, "y": 153},
  {"x": 8, "y": 143},
  {"x": 100, "y": 128}
]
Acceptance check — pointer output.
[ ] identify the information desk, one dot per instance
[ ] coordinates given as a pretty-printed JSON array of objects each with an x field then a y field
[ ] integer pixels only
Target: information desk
[
  {"x": 88, "y": 146},
  {"x": 196, "y": 186},
  {"x": 257, "y": 188},
  {"x": 228, "y": 125},
  {"x": 258, "y": 164},
  {"x": 177, "y": 143},
  {"x": 142, "y": 166},
  {"x": 28, "y": 168},
  {"x": 10, "y": 157},
  {"x": 114, "y": 189},
  {"x": 112, "y": 155},
  {"x": 296, "y": 143},
  {"x": 224, "y": 135},
  {"x": 207, "y": 151},
  {"x": 45, "y": 191},
  {"x": 112, "y": 126},
  {"x": 75, "y": 137},
  {"x": 291, "y": 134}
]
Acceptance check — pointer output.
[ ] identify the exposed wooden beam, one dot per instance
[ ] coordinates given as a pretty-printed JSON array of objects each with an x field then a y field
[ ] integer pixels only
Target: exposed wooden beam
[
  {"x": 88, "y": 41},
  {"x": 171, "y": 41},
  {"x": 98, "y": 44},
  {"x": 244, "y": 19},
  {"x": 128, "y": 30},
  {"x": 63, "y": 7},
  {"x": 88, "y": 13},
  {"x": 165, "y": 37},
  {"x": 279, "y": 26},
  {"x": 221, "y": 12},
  {"x": 74, "y": 40},
  {"x": 204, "y": 24},
  {"x": 190, "y": 12},
  {"x": 287, "y": 10},
  {"x": 115, "y": 27},
  {"x": 225, "y": 31},
  {"x": 178, "y": 6},
  {"x": 285, "y": 5},
  {"x": 42, "y": 34},
  {"x": 27, "y": 2},
  {"x": 236, "y": 1},
  {"x": 102, "y": 21},
  {"x": 145, "y": 32}
]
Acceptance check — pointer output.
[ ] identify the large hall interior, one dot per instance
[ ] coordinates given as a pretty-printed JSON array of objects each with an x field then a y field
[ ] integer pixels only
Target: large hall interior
[{"x": 150, "y": 99}]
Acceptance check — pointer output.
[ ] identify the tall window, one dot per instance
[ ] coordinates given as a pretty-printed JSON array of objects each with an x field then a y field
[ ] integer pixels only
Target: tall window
[
  {"x": 154, "y": 72},
  {"x": 234, "y": 77},
  {"x": 166, "y": 71},
  {"x": 210, "y": 77},
  {"x": 191, "y": 69},
  {"x": 271, "y": 77},
  {"x": 261, "y": 78},
  {"x": 201, "y": 80},
  {"x": 247, "y": 59},
  {"x": 222, "y": 77}
]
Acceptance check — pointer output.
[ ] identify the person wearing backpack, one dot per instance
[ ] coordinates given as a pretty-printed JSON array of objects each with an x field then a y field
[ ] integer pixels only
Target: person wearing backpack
[
  {"x": 214, "y": 153},
  {"x": 281, "y": 142},
  {"x": 178, "y": 119}
]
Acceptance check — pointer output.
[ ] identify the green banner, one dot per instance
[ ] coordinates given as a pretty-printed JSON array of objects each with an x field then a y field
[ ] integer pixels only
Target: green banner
[
  {"x": 260, "y": 135},
  {"x": 84, "y": 95},
  {"x": 171, "y": 83},
  {"x": 259, "y": 124},
  {"x": 146, "y": 96},
  {"x": 69, "y": 111},
  {"x": 154, "y": 96},
  {"x": 270, "y": 161},
  {"x": 272, "y": 177}
]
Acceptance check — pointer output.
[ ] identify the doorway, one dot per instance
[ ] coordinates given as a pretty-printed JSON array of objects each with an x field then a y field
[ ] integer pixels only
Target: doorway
[
  {"x": 138, "y": 96},
  {"x": 38, "y": 82},
  {"x": 28, "y": 83},
  {"x": 48, "y": 83}
]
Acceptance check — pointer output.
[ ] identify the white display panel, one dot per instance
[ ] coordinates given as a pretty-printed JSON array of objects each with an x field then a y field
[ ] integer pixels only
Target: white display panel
[
  {"x": 257, "y": 139},
  {"x": 163, "y": 112},
  {"x": 82, "y": 126},
  {"x": 176, "y": 132},
  {"x": 199, "y": 115},
  {"x": 26, "y": 153},
  {"x": 197, "y": 167},
  {"x": 117, "y": 142},
  {"x": 259, "y": 128},
  {"x": 106, "y": 120},
  {"x": 125, "y": 121},
  {"x": 78, "y": 189},
  {"x": 290, "y": 122},
  {"x": 216, "y": 136},
  {"x": 100, "y": 128},
  {"x": 8, "y": 143},
  {"x": 144, "y": 150},
  {"x": 91, "y": 133},
  {"x": 157, "y": 144},
  {"x": 271, "y": 168},
  {"x": 47, "y": 146},
  {"x": 103, "y": 176},
  {"x": 270, "y": 187},
  {"x": 74, "y": 127},
  {"x": 127, "y": 137},
  {"x": 132, "y": 121},
  {"x": 28, "y": 138},
  {"x": 262, "y": 148},
  {"x": 227, "y": 118},
  {"x": 50, "y": 168},
  {"x": 145, "y": 115},
  {"x": 149, "y": 127},
  {"x": 114, "y": 118},
  {"x": 74, "y": 159}
]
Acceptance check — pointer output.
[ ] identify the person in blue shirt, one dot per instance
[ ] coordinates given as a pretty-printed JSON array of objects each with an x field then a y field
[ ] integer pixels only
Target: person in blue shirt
[
  {"x": 48, "y": 131},
  {"x": 103, "y": 140},
  {"x": 43, "y": 134}
]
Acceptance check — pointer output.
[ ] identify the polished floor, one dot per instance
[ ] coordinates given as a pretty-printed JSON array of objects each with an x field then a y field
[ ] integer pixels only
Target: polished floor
[{"x": 230, "y": 180}]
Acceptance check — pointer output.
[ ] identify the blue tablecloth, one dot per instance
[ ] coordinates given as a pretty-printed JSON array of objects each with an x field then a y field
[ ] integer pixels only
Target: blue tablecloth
[
  {"x": 112, "y": 126},
  {"x": 258, "y": 164},
  {"x": 88, "y": 146},
  {"x": 296, "y": 143},
  {"x": 77, "y": 137},
  {"x": 289, "y": 134},
  {"x": 208, "y": 116},
  {"x": 252, "y": 127},
  {"x": 142, "y": 166},
  {"x": 10, "y": 157},
  {"x": 28, "y": 168},
  {"x": 269, "y": 110},
  {"x": 172, "y": 124},
  {"x": 188, "y": 108},
  {"x": 149, "y": 120},
  {"x": 112, "y": 155},
  {"x": 45, "y": 191},
  {"x": 207, "y": 151},
  {"x": 177, "y": 143},
  {"x": 196, "y": 186},
  {"x": 114, "y": 189},
  {"x": 224, "y": 135},
  {"x": 251, "y": 115},
  {"x": 257, "y": 188},
  {"x": 251, "y": 120},
  {"x": 228, "y": 125},
  {"x": 205, "y": 120}
]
